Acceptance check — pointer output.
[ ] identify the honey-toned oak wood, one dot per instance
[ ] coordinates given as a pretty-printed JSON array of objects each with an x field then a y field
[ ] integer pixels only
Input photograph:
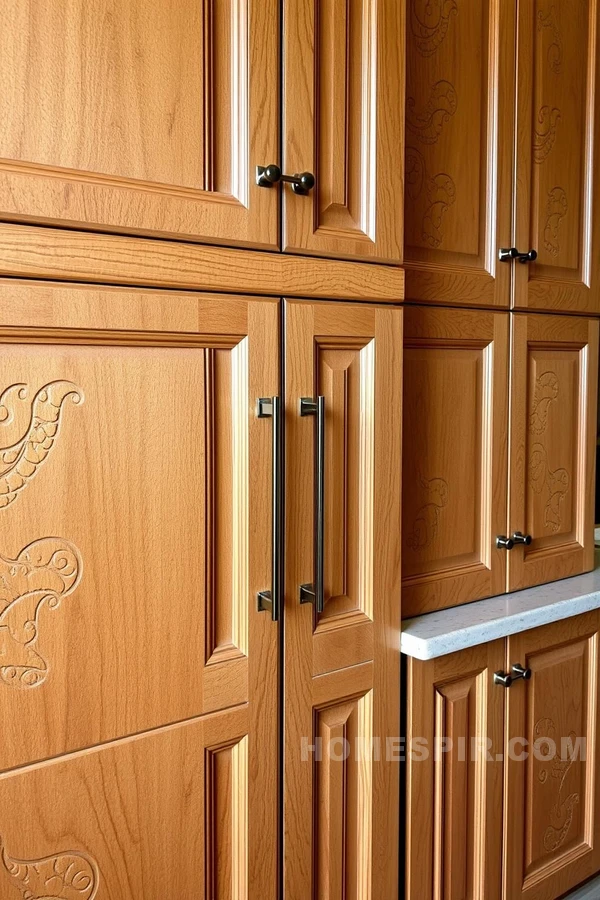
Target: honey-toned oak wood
[
  {"x": 454, "y": 456},
  {"x": 143, "y": 117},
  {"x": 135, "y": 513},
  {"x": 342, "y": 667},
  {"x": 459, "y": 137},
  {"x": 554, "y": 377},
  {"x": 50, "y": 253},
  {"x": 344, "y": 121},
  {"x": 552, "y": 791},
  {"x": 454, "y": 738},
  {"x": 185, "y": 811},
  {"x": 557, "y": 192}
]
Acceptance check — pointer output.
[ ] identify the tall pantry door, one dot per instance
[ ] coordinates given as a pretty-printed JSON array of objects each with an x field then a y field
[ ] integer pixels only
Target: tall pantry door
[
  {"x": 342, "y": 664},
  {"x": 138, "y": 681},
  {"x": 144, "y": 116}
]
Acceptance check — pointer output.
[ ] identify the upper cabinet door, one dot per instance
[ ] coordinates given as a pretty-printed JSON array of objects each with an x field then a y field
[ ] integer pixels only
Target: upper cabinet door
[
  {"x": 344, "y": 122},
  {"x": 459, "y": 134},
  {"x": 557, "y": 188},
  {"x": 147, "y": 116},
  {"x": 552, "y": 447}
]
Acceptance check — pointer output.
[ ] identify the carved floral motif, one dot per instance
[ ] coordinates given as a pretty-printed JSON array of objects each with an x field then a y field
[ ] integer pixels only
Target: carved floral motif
[
  {"x": 66, "y": 876},
  {"x": 556, "y": 210},
  {"x": 546, "y": 390},
  {"x": 554, "y": 483},
  {"x": 563, "y": 809},
  {"x": 440, "y": 194},
  {"x": 545, "y": 133},
  {"x": 425, "y": 525},
  {"x": 20, "y": 461},
  {"x": 441, "y": 105},
  {"x": 429, "y": 21},
  {"x": 41, "y": 576},
  {"x": 548, "y": 20}
]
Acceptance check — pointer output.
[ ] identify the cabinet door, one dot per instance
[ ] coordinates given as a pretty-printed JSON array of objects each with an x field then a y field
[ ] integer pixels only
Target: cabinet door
[
  {"x": 454, "y": 457},
  {"x": 552, "y": 794},
  {"x": 552, "y": 446},
  {"x": 455, "y": 727},
  {"x": 135, "y": 509},
  {"x": 343, "y": 121},
  {"x": 342, "y": 666},
  {"x": 145, "y": 116},
  {"x": 459, "y": 138},
  {"x": 558, "y": 134}
]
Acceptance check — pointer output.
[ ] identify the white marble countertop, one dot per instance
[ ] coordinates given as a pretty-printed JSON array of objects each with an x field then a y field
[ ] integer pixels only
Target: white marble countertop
[{"x": 449, "y": 630}]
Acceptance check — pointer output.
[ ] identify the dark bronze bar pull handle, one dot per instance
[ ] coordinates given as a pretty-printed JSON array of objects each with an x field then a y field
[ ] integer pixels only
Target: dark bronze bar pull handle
[
  {"x": 504, "y": 543},
  {"x": 315, "y": 593},
  {"x": 270, "y": 408},
  {"x": 510, "y": 253},
  {"x": 518, "y": 671},
  {"x": 267, "y": 176},
  {"x": 503, "y": 679},
  {"x": 519, "y": 538}
]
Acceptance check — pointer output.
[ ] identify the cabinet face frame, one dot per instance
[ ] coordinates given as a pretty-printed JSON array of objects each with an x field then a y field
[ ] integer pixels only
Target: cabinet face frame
[
  {"x": 134, "y": 172},
  {"x": 343, "y": 120},
  {"x": 342, "y": 668},
  {"x": 557, "y": 187},
  {"x": 54, "y": 324},
  {"x": 477, "y": 345},
  {"x": 454, "y": 794},
  {"x": 555, "y": 653},
  {"x": 568, "y": 490},
  {"x": 446, "y": 262}
]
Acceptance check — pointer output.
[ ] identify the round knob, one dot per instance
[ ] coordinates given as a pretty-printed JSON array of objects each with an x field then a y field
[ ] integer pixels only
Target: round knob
[
  {"x": 531, "y": 256},
  {"x": 504, "y": 543},
  {"x": 502, "y": 679},
  {"x": 507, "y": 254},
  {"x": 520, "y": 538},
  {"x": 304, "y": 182},
  {"x": 519, "y": 671},
  {"x": 271, "y": 174}
]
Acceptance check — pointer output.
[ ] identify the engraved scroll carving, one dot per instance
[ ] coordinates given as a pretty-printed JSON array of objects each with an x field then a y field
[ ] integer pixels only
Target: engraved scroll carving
[
  {"x": 20, "y": 461},
  {"x": 440, "y": 192},
  {"x": 429, "y": 21},
  {"x": 41, "y": 576},
  {"x": 546, "y": 390},
  {"x": 545, "y": 133},
  {"x": 425, "y": 525},
  {"x": 555, "y": 50},
  {"x": 66, "y": 876},
  {"x": 556, "y": 210},
  {"x": 440, "y": 107},
  {"x": 562, "y": 811},
  {"x": 554, "y": 483}
]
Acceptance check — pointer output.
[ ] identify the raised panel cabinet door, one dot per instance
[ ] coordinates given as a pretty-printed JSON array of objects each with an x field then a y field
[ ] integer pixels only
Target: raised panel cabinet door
[
  {"x": 454, "y": 742},
  {"x": 454, "y": 456},
  {"x": 557, "y": 193},
  {"x": 141, "y": 116},
  {"x": 552, "y": 793},
  {"x": 342, "y": 665},
  {"x": 459, "y": 150},
  {"x": 135, "y": 534},
  {"x": 343, "y": 120},
  {"x": 554, "y": 376},
  {"x": 162, "y": 814}
]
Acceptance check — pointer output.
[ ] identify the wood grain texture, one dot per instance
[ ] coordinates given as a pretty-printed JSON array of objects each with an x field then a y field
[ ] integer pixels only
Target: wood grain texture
[
  {"x": 344, "y": 121},
  {"x": 342, "y": 667},
  {"x": 554, "y": 376},
  {"x": 454, "y": 795},
  {"x": 146, "y": 117},
  {"x": 454, "y": 458},
  {"x": 47, "y": 253},
  {"x": 459, "y": 136},
  {"x": 557, "y": 195},
  {"x": 552, "y": 829}
]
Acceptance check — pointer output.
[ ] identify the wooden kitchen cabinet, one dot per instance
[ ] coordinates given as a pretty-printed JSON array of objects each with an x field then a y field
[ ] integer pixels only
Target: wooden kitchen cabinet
[
  {"x": 342, "y": 666},
  {"x": 552, "y": 454},
  {"x": 454, "y": 737},
  {"x": 135, "y": 509},
  {"x": 502, "y": 793},
  {"x": 552, "y": 798},
  {"x": 454, "y": 456}
]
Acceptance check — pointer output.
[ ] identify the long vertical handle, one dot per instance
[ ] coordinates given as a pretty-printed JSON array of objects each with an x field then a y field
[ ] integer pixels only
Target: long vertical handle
[
  {"x": 270, "y": 407},
  {"x": 315, "y": 593}
]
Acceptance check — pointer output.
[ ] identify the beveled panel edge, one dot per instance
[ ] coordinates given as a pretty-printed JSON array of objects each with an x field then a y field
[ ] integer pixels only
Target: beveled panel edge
[{"x": 65, "y": 255}]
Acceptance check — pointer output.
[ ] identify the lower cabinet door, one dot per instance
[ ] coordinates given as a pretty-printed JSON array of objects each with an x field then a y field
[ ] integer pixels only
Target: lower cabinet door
[
  {"x": 342, "y": 661},
  {"x": 552, "y": 795},
  {"x": 454, "y": 776},
  {"x": 554, "y": 383},
  {"x": 135, "y": 527}
]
